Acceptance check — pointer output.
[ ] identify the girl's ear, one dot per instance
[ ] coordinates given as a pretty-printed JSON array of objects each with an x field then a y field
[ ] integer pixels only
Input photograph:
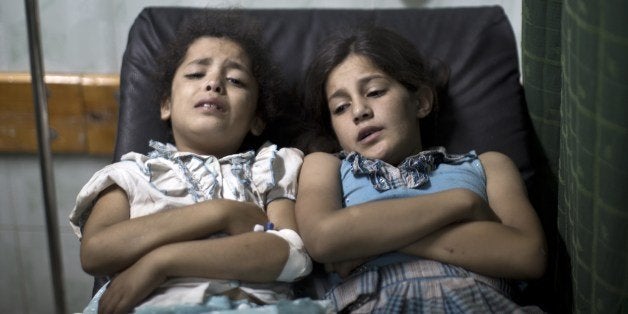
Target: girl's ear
[
  {"x": 425, "y": 97},
  {"x": 165, "y": 109},
  {"x": 257, "y": 126}
]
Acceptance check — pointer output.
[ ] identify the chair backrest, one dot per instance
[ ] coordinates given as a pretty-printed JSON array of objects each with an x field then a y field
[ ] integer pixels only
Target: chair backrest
[{"x": 483, "y": 108}]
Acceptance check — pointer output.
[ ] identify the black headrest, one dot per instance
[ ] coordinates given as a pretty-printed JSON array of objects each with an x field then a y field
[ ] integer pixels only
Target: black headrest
[{"x": 483, "y": 107}]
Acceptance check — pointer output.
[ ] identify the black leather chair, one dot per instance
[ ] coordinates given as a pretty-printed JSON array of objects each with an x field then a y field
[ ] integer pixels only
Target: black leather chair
[{"x": 483, "y": 107}]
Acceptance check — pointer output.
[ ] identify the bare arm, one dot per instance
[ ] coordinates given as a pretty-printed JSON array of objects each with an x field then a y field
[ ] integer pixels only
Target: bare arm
[
  {"x": 514, "y": 248},
  {"x": 250, "y": 256},
  {"x": 332, "y": 235},
  {"x": 112, "y": 242}
]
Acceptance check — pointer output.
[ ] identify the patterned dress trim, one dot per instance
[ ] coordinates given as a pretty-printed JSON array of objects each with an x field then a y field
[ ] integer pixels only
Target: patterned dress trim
[{"x": 413, "y": 172}]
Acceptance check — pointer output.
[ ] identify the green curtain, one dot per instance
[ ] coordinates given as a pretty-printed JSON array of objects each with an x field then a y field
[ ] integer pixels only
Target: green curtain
[{"x": 575, "y": 67}]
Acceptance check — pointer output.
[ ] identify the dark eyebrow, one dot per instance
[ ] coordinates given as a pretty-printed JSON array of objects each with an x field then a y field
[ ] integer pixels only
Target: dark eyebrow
[
  {"x": 337, "y": 93},
  {"x": 232, "y": 64},
  {"x": 203, "y": 61},
  {"x": 362, "y": 81}
]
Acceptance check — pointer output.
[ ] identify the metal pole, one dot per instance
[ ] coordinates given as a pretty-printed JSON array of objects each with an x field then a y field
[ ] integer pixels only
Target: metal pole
[{"x": 45, "y": 156}]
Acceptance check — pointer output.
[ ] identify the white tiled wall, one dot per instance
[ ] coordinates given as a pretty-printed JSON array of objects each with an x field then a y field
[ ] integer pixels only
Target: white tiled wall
[
  {"x": 25, "y": 274},
  {"x": 89, "y": 36}
]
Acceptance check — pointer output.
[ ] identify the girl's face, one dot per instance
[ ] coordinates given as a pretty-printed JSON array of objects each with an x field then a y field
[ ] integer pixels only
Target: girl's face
[
  {"x": 372, "y": 113},
  {"x": 214, "y": 98}
]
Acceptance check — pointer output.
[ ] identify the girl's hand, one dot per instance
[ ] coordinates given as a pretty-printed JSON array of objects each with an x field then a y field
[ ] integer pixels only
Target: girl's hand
[
  {"x": 512, "y": 247},
  {"x": 475, "y": 208},
  {"x": 243, "y": 217},
  {"x": 130, "y": 287},
  {"x": 346, "y": 267},
  {"x": 480, "y": 210}
]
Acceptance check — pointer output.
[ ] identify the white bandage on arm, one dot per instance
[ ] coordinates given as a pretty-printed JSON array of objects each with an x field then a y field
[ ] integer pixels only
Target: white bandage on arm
[{"x": 299, "y": 263}]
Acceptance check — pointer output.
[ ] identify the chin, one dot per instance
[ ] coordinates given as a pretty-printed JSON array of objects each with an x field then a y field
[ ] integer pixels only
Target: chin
[{"x": 375, "y": 154}]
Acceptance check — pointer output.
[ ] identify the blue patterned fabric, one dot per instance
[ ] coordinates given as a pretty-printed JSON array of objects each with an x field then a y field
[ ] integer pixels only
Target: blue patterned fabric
[
  {"x": 423, "y": 286},
  {"x": 240, "y": 167},
  {"x": 400, "y": 283},
  {"x": 167, "y": 178},
  {"x": 413, "y": 172},
  {"x": 224, "y": 305},
  {"x": 363, "y": 178}
]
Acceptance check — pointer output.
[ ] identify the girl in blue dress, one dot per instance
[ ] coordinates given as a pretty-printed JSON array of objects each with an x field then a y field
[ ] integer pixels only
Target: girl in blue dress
[{"x": 403, "y": 229}]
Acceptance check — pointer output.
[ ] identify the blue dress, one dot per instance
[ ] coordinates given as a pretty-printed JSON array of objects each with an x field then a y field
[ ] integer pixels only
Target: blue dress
[{"x": 400, "y": 283}]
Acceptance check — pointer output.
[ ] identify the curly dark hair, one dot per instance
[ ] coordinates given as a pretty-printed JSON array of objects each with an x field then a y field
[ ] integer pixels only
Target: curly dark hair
[
  {"x": 243, "y": 30},
  {"x": 389, "y": 51}
]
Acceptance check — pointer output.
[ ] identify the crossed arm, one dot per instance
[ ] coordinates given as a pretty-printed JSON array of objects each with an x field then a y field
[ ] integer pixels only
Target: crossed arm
[
  {"x": 143, "y": 252},
  {"x": 453, "y": 226}
]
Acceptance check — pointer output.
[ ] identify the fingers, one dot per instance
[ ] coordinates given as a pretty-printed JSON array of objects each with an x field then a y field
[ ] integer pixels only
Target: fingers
[
  {"x": 343, "y": 269},
  {"x": 116, "y": 300},
  {"x": 329, "y": 267},
  {"x": 112, "y": 302}
]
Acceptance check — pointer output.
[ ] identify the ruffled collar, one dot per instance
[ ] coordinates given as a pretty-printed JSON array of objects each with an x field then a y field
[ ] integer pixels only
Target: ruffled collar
[
  {"x": 413, "y": 172},
  {"x": 202, "y": 180},
  {"x": 169, "y": 151}
]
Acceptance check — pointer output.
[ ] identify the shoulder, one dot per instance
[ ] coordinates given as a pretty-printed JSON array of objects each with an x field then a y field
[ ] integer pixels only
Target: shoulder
[
  {"x": 499, "y": 168},
  {"x": 276, "y": 168},
  {"x": 320, "y": 168},
  {"x": 121, "y": 170},
  {"x": 320, "y": 156},
  {"x": 493, "y": 159},
  {"x": 278, "y": 162},
  {"x": 320, "y": 174},
  {"x": 320, "y": 165},
  {"x": 125, "y": 174},
  {"x": 270, "y": 150},
  {"x": 321, "y": 159}
]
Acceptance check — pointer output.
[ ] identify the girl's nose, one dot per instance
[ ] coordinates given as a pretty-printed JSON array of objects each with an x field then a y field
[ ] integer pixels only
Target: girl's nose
[
  {"x": 214, "y": 85},
  {"x": 361, "y": 112}
]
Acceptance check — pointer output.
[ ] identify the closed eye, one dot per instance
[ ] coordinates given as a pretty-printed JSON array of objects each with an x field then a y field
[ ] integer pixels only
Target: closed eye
[
  {"x": 376, "y": 93},
  {"x": 341, "y": 108},
  {"x": 195, "y": 75},
  {"x": 236, "y": 82}
]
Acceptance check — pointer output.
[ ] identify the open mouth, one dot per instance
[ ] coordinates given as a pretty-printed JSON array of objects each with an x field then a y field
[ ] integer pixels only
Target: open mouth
[
  {"x": 210, "y": 106},
  {"x": 366, "y": 132}
]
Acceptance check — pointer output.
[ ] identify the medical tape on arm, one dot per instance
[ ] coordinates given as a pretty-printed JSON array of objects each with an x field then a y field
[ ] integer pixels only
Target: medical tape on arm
[{"x": 299, "y": 263}]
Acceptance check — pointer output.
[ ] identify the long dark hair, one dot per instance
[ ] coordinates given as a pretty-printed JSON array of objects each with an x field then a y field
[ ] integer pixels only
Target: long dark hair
[{"x": 389, "y": 51}]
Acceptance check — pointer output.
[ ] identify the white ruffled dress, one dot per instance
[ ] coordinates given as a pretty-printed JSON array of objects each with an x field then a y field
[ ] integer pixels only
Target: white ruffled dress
[{"x": 167, "y": 179}]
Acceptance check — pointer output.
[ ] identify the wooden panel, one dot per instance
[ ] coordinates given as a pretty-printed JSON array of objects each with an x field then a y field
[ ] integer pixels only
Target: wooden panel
[
  {"x": 17, "y": 132},
  {"x": 82, "y": 113},
  {"x": 100, "y": 95}
]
